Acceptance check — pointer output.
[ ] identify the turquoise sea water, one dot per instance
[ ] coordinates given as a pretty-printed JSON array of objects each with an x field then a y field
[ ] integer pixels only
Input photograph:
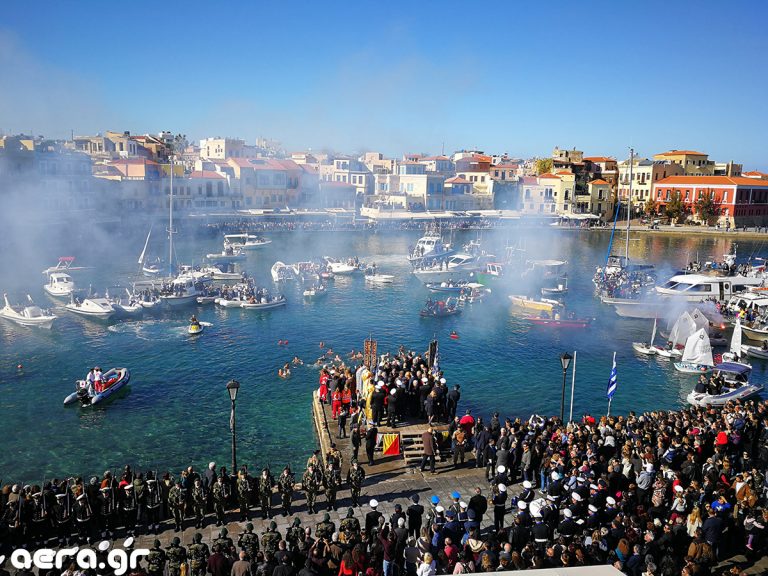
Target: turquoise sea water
[{"x": 176, "y": 410}]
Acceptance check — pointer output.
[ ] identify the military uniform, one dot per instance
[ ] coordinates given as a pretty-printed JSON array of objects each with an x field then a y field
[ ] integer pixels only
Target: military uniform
[
  {"x": 332, "y": 483},
  {"x": 294, "y": 534},
  {"x": 326, "y": 528},
  {"x": 198, "y": 556},
  {"x": 335, "y": 458},
  {"x": 199, "y": 500},
  {"x": 62, "y": 514},
  {"x": 249, "y": 542},
  {"x": 154, "y": 502},
  {"x": 243, "y": 495},
  {"x": 270, "y": 539},
  {"x": 176, "y": 555},
  {"x": 350, "y": 526},
  {"x": 355, "y": 478},
  {"x": 224, "y": 541},
  {"x": 265, "y": 493},
  {"x": 156, "y": 560},
  {"x": 285, "y": 487},
  {"x": 129, "y": 509},
  {"x": 310, "y": 482},
  {"x": 220, "y": 496},
  {"x": 176, "y": 502},
  {"x": 83, "y": 516}
]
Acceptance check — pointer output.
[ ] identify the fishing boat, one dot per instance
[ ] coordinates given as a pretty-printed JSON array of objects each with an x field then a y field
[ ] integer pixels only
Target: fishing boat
[
  {"x": 736, "y": 386},
  {"x": 282, "y": 272},
  {"x": 429, "y": 247},
  {"x": 560, "y": 322},
  {"x": 492, "y": 273},
  {"x": 340, "y": 268},
  {"x": 441, "y": 308},
  {"x": 195, "y": 328},
  {"x": 266, "y": 303},
  {"x": 112, "y": 380},
  {"x": 527, "y": 303},
  {"x": 60, "y": 285},
  {"x": 30, "y": 315},
  {"x": 561, "y": 288},
  {"x": 245, "y": 241},
  {"x": 646, "y": 348},
  {"x": 94, "y": 307},
  {"x": 473, "y": 292},
  {"x": 697, "y": 356}
]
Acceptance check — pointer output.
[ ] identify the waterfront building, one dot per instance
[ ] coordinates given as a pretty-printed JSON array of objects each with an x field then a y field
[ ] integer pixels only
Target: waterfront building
[
  {"x": 377, "y": 163},
  {"x": 266, "y": 183},
  {"x": 645, "y": 173},
  {"x": 350, "y": 171},
  {"x": 739, "y": 201},
  {"x": 441, "y": 164},
  {"x": 225, "y": 148},
  {"x": 601, "y": 196},
  {"x": 698, "y": 163}
]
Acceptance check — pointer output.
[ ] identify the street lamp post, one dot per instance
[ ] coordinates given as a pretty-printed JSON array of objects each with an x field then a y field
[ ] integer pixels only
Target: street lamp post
[
  {"x": 565, "y": 361},
  {"x": 232, "y": 387}
]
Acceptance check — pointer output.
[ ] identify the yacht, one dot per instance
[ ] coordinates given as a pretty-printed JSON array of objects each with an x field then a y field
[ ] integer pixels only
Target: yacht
[
  {"x": 60, "y": 285},
  {"x": 183, "y": 292},
  {"x": 30, "y": 315},
  {"x": 340, "y": 268},
  {"x": 99, "y": 308},
  {"x": 429, "y": 248},
  {"x": 245, "y": 241},
  {"x": 699, "y": 287}
]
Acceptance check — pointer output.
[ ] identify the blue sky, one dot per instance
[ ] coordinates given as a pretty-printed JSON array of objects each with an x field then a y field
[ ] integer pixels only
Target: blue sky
[{"x": 516, "y": 77}]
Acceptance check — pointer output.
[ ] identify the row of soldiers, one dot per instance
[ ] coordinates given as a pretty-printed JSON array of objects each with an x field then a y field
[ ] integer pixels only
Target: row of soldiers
[{"x": 73, "y": 510}]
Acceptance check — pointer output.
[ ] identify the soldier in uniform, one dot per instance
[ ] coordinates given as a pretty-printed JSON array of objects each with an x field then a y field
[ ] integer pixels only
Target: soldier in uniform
[
  {"x": 334, "y": 457},
  {"x": 220, "y": 497},
  {"x": 270, "y": 539},
  {"x": 153, "y": 503},
  {"x": 62, "y": 514},
  {"x": 285, "y": 487},
  {"x": 107, "y": 512},
  {"x": 83, "y": 515},
  {"x": 332, "y": 483},
  {"x": 310, "y": 482},
  {"x": 40, "y": 520},
  {"x": 294, "y": 535},
  {"x": 350, "y": 526},
  {"x": 199, "y": 498},
  {"x": 224, "y": 541},
  {"x": 326, "y": 528},
  {"x": 156, "y": 560},
  {"x": 176, "y": 555},
  {"x": 314, "y": 460},
  {"x": 129, "y": 509},
  {"x": 355, "y": 479},
  {"x": 249, "y": 542},
  {"x": 243, "y": 494},
  {"x": 265, "y": 492},
  {"x": 140, "y": 497},
  {"x": 177, "y": 502},
  {"x": 198, "y": 555}
]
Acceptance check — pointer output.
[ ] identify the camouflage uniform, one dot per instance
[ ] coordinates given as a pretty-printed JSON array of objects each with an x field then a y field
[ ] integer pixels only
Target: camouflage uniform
[
  {"x": 220, "y": 495},
  {"x": 350, "y": 526},
  {"x": 355, "y": 478},
  {"x": 198, "y": 556},
  {"x": 176, "y": 555},
  {"x": 265, "y": 492},
  {"x": 177, "y": 502},
  {"x": 332, "y": 483},
  {"x": 310, "y": 482},
  {"x": 243, "y": 495},
  {"x": 285, "y": 487},
  {"x": 156, "y": 560},
  {"x": 294, "y": 534},
  {"x": 249, "y": 542},
  {"x": 270, "y": 539},
  {"x": 326, "y": 528},
  {"x": 199, "y": 501}
]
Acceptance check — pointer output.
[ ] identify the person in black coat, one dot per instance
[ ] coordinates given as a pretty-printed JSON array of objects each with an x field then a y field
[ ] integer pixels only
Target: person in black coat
[
  {"x": 479, "y": 504},
  {"x": 370, "y": 443},
  {"x": 415, "y": 513}
]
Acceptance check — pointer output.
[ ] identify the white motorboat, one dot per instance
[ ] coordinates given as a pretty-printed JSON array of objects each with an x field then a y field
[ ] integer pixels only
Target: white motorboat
[
  {"x": 699, "y": 287},
  {"x": 647, "y": 349},
  {"x": 429, "y": 247},
  {"x": 757, "y": 332},
  {"x": 282, "y": 272},
  {"x": 245, "y": 241},
  {"x": 265, "y": 303},
  {"x": 315, "y": 291},
  {"x": 112, "y": 381},
  {"x": 340, "y": 268},
  {"x": 30, "y": 315},
  {"x": 98, "y": 308},
  {"x": 755, "y": 351},
  {"x": 183, "y": 292},
  {"x": 229, "y": 254},
  {"x": 545, "y": 268},
  {"x": 636, "y": 307},
  {"x": 736, "y": 386},
  {"x": 60, "y": 285},
  {"x": 377, "y": 278},
  {"x": 217, "y": 273},
  {"x": 697, "y": 356},
  {"x": 128, "y": 307}
]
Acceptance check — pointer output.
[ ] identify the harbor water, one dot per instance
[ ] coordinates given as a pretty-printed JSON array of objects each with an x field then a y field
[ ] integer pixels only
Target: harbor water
[{"x": 176, "y": 409}]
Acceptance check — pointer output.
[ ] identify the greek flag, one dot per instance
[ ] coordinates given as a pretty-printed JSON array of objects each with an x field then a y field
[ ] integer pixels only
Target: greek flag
[{"x": 613, "y": 380}]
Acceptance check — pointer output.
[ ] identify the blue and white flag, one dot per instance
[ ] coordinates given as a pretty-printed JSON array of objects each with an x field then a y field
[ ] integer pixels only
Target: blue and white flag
[{"x": 613, "y": 380}]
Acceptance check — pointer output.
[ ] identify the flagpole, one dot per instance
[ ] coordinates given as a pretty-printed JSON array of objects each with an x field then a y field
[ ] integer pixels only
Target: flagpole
[
  {"x": 573, "y": 387},
  {"x": 610, "y": 397}
]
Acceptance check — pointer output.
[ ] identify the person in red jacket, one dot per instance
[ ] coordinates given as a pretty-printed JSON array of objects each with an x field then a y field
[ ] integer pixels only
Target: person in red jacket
[{"x": 336, "y": 403}]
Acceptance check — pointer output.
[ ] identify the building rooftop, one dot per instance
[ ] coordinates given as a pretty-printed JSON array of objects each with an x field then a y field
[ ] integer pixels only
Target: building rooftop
[
  {"x": 457, "y": 180},
  {"x": 600, "y": 182},
  {"x": 206, "y": 174},
  {"x": 712, "y": 180},
  {"x": 681, "y": 153},
  {"x": 600, "y": 159}
]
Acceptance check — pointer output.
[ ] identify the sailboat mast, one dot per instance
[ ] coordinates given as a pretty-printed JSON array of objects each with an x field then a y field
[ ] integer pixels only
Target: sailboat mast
[
  {"x": 629, "y": 200},
  {"x": 170, "y": 225}
]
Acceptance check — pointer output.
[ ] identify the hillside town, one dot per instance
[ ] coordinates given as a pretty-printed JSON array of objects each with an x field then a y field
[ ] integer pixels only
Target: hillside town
[{"x": 123, "y": 173}]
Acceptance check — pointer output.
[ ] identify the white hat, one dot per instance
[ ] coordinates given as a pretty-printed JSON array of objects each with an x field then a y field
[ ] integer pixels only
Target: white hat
[
  {"x": 439, "y": 509},
  {"x": 463, "y": 505},
  {"x": 128, "y": 542},
  {"x": 522, "y": 505},
  {"x": 678, "y": 488},
  {"x": 592, "y": 508},
  {"x": 373, "y": 503},
  {"x": 103, "y": 546},
  {"x": 380, "y": 383},
  {"x": 593, "y": 487},
  {"x": 442, "y": 380},
  {"x": 610, "y": 501},
  {"x": 527, "y": 484},
  {"x": 576, "y": 497},
  {"x": 392, "y": 392},
  {"x": 501, "y": 469},
  {"x": 399, "y": 382},
  {"x": 649, "y": 467},
  {"x": 555, "y": 475},
  {"x": 502, "y": 488},
  {"x": 581, "y": 479},
  {"x": 567, "y": 513},
  {"x": 424, "y": 379},
  {"x": 551, "y": 498}
]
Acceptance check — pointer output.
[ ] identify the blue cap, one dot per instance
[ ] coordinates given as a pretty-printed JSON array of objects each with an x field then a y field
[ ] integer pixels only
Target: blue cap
[
  {"x": 455, "y": 495},
  {"x": 435, "y": 500},
  {"x": 471, "y": 514},
  {"x": 450, "y": 514}
]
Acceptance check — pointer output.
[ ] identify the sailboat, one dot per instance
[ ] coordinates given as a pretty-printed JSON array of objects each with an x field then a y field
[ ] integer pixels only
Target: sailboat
[
  {"x": 681, "y": 330},
  {"x": 150, "y": 270},
  {"x": 736, "y": 350},
  {"x": 697, "y": 356},
  {"x": 647, "y": 349}
]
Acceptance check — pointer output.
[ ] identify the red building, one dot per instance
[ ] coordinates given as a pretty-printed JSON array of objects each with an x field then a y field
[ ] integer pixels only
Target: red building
[{"x": 741, "y": 201}]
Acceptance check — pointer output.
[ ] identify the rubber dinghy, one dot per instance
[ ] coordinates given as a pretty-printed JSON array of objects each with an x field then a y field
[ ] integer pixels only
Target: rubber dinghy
[{"x": 112, "y": 380}]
